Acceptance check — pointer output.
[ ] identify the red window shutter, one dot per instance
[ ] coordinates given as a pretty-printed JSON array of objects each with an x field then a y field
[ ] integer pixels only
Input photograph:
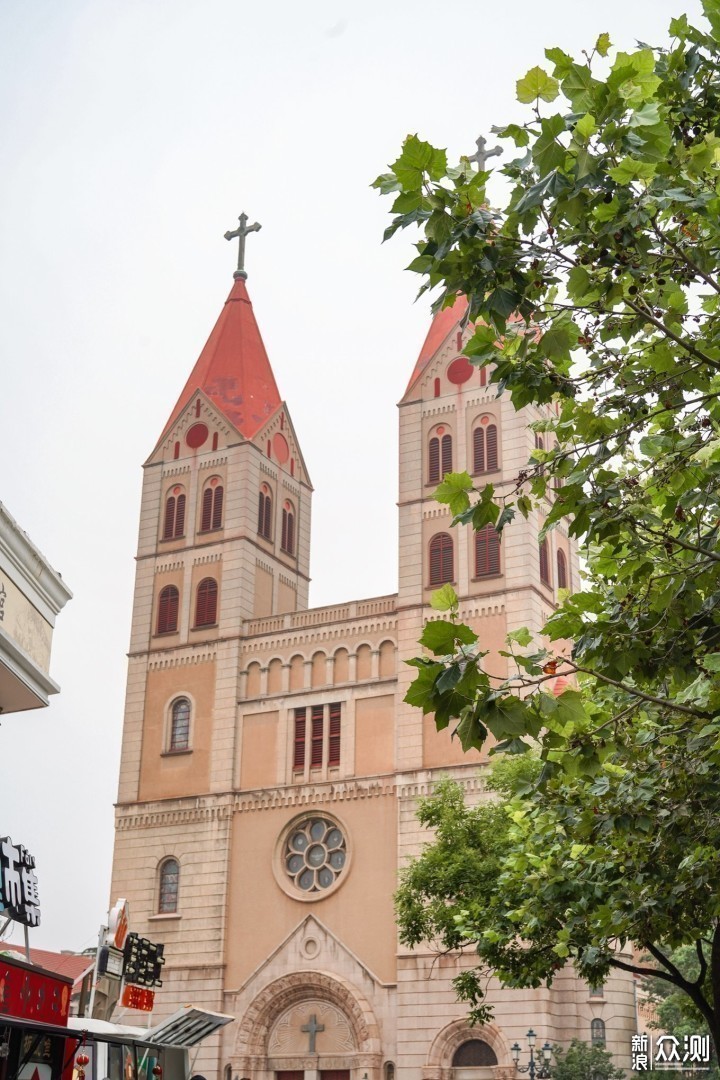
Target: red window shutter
[
  {"x": 334, "y": 734},
  {"x": 544, "y": 565},
  {"x": 283, "y": 535},
  {"x": 316, "y": 749},
  {"x": 217, "y": 509},
  {"x": 291, "y": 533},
  {"x": 168, "y": 605},
  {"x": 561, "y": 570},
  {"x": 206, "y": 519},
  {"x": 446, "y": 454},
  {"x": 441, "y": 559},
  {"x": 299, "y": 748},
  {"x": 487, "y": 552},
  {"x": 491, "y": 437},
  {"x": 478, "y": 450},
  {"x": 169, "y": 523},
  {"x": 206, "y": 605},
  {"x": 447, "y": 559},
  {"x": 180, "y": 516},
  {"x": 483, "y": 376},
  {"x": 434, "y": 461},
  {"x": 265, "y": 515},
  {"x": 261, "y": 513}
]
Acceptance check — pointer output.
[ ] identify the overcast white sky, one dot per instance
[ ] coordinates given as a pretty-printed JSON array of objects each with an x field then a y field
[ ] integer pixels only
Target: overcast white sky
[{"x": 132, "y": 134}]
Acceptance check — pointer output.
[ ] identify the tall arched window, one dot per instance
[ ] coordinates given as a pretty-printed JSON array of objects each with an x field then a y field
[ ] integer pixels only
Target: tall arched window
[
  {"x": 287, "y": 540},
  {"x": 265, "y": 513},
  {"x": 169, "y": 887},
  {"x": 180, "y": 724},
  {"x": 206, "y": 602},
  {"x": 441, "y": 559},
  {"x": 483, "y": 376},
  {"x": 174, "y": 523},
  {"x": 544, "y": 563},
  {"x": 212, "y": 506},
  {"x": 487, "y": 552},
  {"x": 597, "y": 1032},
  {"x": 439, "y": 456},
  {"x": 561, "y": 570},
  {"x": 485, "y": 447},
  {"x": 168, "y": 605}
]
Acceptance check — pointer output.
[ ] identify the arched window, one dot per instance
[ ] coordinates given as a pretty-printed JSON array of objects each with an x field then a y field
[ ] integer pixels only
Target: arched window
[
  {"x": 174, "y": 524},
  {"x": 168, "y": 605},
  {"x": 487, "y": 552},
  {"x": 437, "y": 388},
  {"x": 180, "y": 724},
  {"x": 287, "y": 540},
  {"x": 212, "y": 506},
  {"x": 169, "y": 884},
  {"x": 544, "y": 563},
  {"x": 265, "y": 513},
  {"x": 540, "y": 445},
  {"x": 597, "y": 1032},
  {"x": 441, "y": 559},
  {"x": 206, "y": 602},
  {"x": 439, "y": 456},
  {"x": 485, "y": 447},
  {"x": 473, "y": 1054},
  {"x": 561, "y": 570},
  {"x": 483, "y": 376}
]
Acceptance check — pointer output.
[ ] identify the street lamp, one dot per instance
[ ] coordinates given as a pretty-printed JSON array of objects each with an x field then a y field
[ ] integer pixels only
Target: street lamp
[{"x": 539, "y": 1069}]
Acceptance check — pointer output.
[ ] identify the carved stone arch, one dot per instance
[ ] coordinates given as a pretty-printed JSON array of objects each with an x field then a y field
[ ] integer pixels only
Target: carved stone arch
[
  {"x": 446, "y": 1042},
  {"x": 254, "y": 1028}
]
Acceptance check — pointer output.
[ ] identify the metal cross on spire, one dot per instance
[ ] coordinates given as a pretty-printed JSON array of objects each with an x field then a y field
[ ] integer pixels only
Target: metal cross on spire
[
  {"x": 481, "y": 154},
  {"x": 241, "y": 232}
]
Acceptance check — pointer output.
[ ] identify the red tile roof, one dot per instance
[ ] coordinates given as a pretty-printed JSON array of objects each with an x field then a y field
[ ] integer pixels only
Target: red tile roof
[
  {"x": 442, "y": 325},
  {"x": 70, "y": 965},
  {"x": 233, "y": 369}
]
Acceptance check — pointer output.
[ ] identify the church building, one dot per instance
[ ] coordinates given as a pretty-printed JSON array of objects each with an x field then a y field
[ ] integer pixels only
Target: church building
[{"x": 270, "y": 768}]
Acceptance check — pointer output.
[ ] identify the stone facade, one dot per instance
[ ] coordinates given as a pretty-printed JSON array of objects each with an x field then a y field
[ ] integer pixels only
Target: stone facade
[{"x": 286, "y": 806}]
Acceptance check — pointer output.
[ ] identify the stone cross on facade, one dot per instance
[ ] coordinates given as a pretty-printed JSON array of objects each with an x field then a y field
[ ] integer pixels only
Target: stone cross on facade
[
  {"x": 312, "y": 1028},
  {"x": 241, "y": 232},
  {"x": 481, "y": 154}
]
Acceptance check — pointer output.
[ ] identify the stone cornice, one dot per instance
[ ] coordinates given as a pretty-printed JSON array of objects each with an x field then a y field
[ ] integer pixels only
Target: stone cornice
[{"x": 45, "y": 588}]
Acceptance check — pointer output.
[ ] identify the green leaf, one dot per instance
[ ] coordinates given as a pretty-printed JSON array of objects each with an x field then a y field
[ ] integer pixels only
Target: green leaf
[
  {"x": 585, "y": 127},
  {"x": 536, "y": 84},
  {"x": 547, "y": 151},
  {"x": 441, "y": 636},
  {"x": 417, "y": 160},
  {"x": 603, "y": 45},
  {"x": 444, "y": 599},
  {"x": 454, "y": 491},
  {"x": 629, "y": 169},
  {"x": 522, "y": 636},
  {"x": 711, "y": 662},
  {"x": 579, "y": 86},
  {"x": 561, "y": 60},
  {"x": 571, "y": 708},
  {"x": 711, "y": 9}
]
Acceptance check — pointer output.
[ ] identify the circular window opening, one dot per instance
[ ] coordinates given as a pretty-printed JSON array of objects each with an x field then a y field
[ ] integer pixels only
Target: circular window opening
[
  {"x": 312, "y": 858},
  {"x": 196, "y": 436},
  {"x": 460, "y": 371}
]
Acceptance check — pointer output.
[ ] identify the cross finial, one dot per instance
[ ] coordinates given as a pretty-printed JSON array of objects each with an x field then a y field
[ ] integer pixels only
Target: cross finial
[
  {"x": 312, "y": 1028},
  {"x": 481, "y": 154},
  {"x": 241, "y": 232}
]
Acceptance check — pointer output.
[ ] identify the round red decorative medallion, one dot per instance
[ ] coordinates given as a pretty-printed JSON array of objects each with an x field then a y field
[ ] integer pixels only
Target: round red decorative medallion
[
  {"x": 281, "y": 448},
  {"x": 177, "y": 490},
  {"x": 441, "y": 430},
  {"x": 460, "y": 370},
  {"x": 196, "y": 436}
]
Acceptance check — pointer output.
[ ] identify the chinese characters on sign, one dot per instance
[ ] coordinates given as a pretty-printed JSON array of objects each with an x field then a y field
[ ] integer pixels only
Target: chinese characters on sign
[
  {"x": 690, "y": 1053},
  {"x": 18, "y": 883}
]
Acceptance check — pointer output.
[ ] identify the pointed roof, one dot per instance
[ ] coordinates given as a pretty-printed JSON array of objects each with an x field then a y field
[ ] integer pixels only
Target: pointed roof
[
  {"x": 233, "y": 369},
  {"x": 442, "y": 325}
]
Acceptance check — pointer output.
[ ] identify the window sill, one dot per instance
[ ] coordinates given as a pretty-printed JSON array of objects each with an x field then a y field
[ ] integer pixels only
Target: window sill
[
  {"x": 286, "y": 552},
  {"x": 176, "y": 753},
  {"x": 487, "y": 577},
  {"x": 439, "y": 584},
  {"x": 170, "y": 539},
  {"x": 262, "y": 536},
  {"x": 487, "y": 472},
  {"x": 164, "y": 916},
  {"x": 166, "y": 633},
  {"x": 204, "y": 532},
  {"x": 205, "y": 626}
]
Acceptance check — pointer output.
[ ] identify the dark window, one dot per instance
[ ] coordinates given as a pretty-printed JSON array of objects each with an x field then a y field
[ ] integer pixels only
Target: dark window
[
  {"x": 483, "y": 376},
  {"x": 206, "y": 603},
  {"x": 215, "y": 440},
  {"x": 212, "y": 508},
  {"x": 299, "y": 747},
  {"x": 561, "y": 570},
  {"x": 174, "y": 524},
  {"x": 316, "y": 750},
  {"x": 487, "y": 552},
  {"x": 544, "y": 563},
  {"x": 434, "y": 461},
  {"x": 475, "y": 1053},
  {"x": 491, "y": 441},
  {"x": 437, "y": 388},
  {"x": 265, "y": 515},
  {"x": 334, "y": 735},
  {"x": 446, "y": 447},
  {"x": 169, "y": 883},
  {"x": 441, "y": 559},
  {"x": 180, "y": 725},
  {"x": 287, "y": 540},
  {"x": 176, "y": 451},
  {"x": 168, "y": 604},
  {"x": 597, "y": 1032}
]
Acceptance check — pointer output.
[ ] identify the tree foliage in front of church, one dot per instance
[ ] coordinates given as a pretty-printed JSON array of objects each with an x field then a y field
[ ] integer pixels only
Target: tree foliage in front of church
[{"x": 595, "y": 296}]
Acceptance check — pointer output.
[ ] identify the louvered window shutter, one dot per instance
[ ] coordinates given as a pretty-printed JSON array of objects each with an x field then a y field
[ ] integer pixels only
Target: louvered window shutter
[
  {"x": 180, "y": 516},
  {"x": 334, "y": 735},
  {"x": 544, "y": 565},
  {"x": 299, "y": 748},
  {"x": 487, "y": 552},
  {"x": 261, "y": 513},
  {"x": 284, "y": 533},
  {"x": 446, "y": 454},
  {"x": 447, "y": 559},
  {"x": 291, "y": 533},
  {"x": 168, "y": 604},
  {"x": 217, "y": 508},
  {"x": 561, "y": 570},
  {"x": 206, "y": 606},
  {"x": 206, "y": 509},
  {"x": 483, "y": 376},
  {"x": 479, "y": 450},
  {"x": 491, "y": 437},
  {"x": 434, "y": 461},
  {"x": 441, "y": 559},
  {"x": 316, "y": 749},
  {"x": 169, "y": 524}
]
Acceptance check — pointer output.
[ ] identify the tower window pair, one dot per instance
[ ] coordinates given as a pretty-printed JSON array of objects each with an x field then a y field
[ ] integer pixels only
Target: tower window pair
[
  {"x": 440, "y": 456},
  {"x": 485, "y": 447},
  {"x": 206, "y": 604},
  {"x": 212, "y": 506}
]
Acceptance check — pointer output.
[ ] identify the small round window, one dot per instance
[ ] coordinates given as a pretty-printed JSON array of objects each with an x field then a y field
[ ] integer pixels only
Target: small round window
[{"x": 315, "y": 854}]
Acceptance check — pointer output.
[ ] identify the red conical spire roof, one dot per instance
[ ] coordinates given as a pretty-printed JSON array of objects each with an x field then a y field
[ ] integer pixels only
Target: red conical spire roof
[
  {"x": 443, "y": 322},
  {"x": 233, "y": 369}
]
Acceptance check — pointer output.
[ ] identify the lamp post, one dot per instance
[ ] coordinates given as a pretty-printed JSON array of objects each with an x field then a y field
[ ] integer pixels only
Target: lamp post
[{"x": 538, "y": 1068}]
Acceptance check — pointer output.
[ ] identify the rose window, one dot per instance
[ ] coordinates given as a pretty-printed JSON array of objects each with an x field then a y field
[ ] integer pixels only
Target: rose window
[{"x": 315, "y": 854}]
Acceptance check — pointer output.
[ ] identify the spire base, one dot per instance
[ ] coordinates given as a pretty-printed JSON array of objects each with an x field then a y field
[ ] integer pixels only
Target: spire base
[{"x": 241, "y": 274}]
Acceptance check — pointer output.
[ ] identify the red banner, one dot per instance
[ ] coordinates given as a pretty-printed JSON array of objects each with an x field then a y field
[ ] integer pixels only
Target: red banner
[
  {"x": 32, "y": 994},
  {"x": 137, "y": 997}
]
